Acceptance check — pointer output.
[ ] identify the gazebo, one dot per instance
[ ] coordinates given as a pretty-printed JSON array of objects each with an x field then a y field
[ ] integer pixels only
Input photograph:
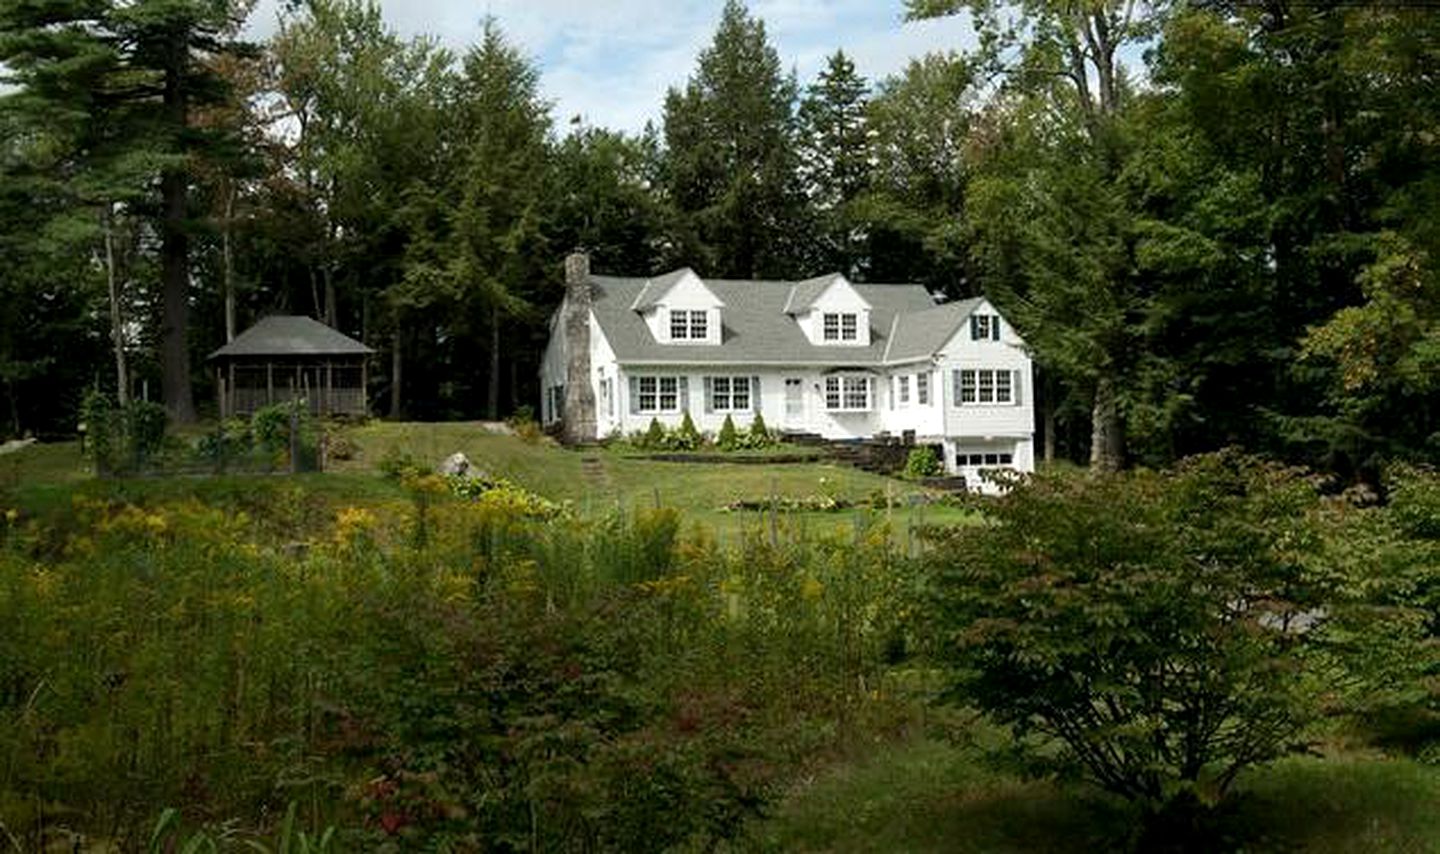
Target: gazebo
[{"x": 287, "y": 357}]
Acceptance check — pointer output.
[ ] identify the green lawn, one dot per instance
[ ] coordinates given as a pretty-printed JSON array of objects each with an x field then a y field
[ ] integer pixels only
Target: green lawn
[
  {"x": 595, "y": 480},
  {"x": 931, "y": 796}
]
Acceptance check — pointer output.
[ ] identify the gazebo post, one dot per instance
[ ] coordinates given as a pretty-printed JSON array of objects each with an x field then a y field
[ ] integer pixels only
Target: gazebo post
[
  {"x": 329, "y": 395},
  {"x": 230, "y": 390},
  {"x": 269, "y": 383},
  {"x": 220, "y": 392},
  {"x": 364, "y": 385}
]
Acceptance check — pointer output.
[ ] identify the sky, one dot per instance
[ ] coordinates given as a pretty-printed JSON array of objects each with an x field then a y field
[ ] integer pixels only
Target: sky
[{"x": 610, "y": 62}]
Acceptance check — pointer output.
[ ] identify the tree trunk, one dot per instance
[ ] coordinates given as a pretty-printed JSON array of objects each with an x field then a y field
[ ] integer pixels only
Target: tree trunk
[
  {"x": 1048, "y": 419},
  {"x": 117, "y": 320},
  {"x": 492, "y": 396},
  {"x": 397, "y": 410},
  {"x": 1107, "y": 437},
  {"x": 175, "y": 248},
  {"x": 330, "y": 310},
  {"x": 175, "y": 272},
  {"x": 316, "y": 307},
  {"x": 228, "y": 258}
]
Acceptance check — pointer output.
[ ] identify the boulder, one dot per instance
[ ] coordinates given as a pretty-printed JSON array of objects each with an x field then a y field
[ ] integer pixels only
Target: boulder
[{"x": 457, "y": 465}]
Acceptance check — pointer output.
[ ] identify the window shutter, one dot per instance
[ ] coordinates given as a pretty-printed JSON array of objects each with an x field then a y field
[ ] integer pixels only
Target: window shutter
[
  {"x": 974, "y": 327},
  {"x": 634, "y": 395},
  {"x": 755, "y": 394},
  {"x": 709, "y": 396},
  {"x": 955, "y": 387},
  {"x": 994, "y": 327},
  {"x": 1015, "y": 387},
  {"x": 683, "y": 389}
]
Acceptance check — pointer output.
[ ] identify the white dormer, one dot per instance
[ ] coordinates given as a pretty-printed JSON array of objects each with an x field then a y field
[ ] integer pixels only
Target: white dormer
[
  {"x": 680, "y": 309},
  {"x": 830, "y": 312}
]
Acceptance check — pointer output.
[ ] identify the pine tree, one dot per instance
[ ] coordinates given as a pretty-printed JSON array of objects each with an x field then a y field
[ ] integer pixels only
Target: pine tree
[
  {"x": 835, "y": 154},
  {"x": 731, "y": 167}
]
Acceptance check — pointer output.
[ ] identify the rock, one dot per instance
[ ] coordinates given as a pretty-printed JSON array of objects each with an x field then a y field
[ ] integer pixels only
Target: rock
[{"x": 457, "y": 465}]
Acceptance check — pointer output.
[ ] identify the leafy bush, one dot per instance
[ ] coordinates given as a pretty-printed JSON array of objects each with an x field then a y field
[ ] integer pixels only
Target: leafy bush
[
  {"x": 922, "y": 462},
  {"x": 399, "y": 465},
  {"x": 1160, "y": 629},
  {"x": 685, "y": 437},
  {"x": 122, "y": 439},
  {"x": 725, "y": 440},
  {"x": 655, "y": 436},
  {"x": 524, "y": 424},
  {"x": 759, "y": 434}
]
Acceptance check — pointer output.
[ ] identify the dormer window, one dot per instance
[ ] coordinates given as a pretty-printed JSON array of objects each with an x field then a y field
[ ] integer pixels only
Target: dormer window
[
  {"x": 689, "y": 325},
  {"x": 841, "y": 326},
  {"x": 984, "y": 327}
]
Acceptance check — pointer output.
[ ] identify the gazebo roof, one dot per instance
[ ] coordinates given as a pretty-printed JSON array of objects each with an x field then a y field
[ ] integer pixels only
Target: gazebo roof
[{"x": 290, "y": 335}]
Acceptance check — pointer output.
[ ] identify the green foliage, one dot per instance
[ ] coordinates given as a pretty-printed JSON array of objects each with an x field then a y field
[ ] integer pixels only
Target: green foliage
[
  {"x": 730, "y": 158},
  {"x": 923, "y": 462},
  {"x": 686, "y": 437},
  {"x": 514, "y": 679},
  {"x": 654, "y": 435},
  {"x": 122, "y": 439},
  {"x": 1162, "y": 630},
  {"x": 726, "y": 439}
]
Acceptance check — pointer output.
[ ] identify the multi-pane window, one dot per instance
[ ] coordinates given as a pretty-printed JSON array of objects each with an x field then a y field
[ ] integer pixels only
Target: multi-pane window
[
  {"x": 847, "y": 394},
  {"x": 922, "y": 389},
  {"x": 904, "y": 386},
  {"x": 689, "y": 325},
  {"x": 657, "y": 394},
  {"x": 840, "y": 327},
  {"x": 984, "y": 386},
  {"x": 730, "y": 394},
  {"x": 964, "y": 459},
  {"x": 984, "y": 327}
]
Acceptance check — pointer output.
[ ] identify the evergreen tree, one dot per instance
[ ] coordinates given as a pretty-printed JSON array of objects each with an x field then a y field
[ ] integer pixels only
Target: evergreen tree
[
  {"x": 835, "y": 156},
  {"x": 731, "y": 167}
]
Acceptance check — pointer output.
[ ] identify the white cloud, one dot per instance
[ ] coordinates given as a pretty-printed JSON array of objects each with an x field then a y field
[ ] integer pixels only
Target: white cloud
[{"x": 612, "y": 62}]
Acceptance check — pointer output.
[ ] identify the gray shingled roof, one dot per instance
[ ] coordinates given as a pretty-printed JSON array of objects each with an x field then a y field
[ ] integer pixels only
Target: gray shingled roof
[
  {"x": 922, "y": 333},
  {"x": 291, "y": 335},
  {"x": 656, "y": 288},
  {"x": 803, "y": 294},
  {"x": 755, "y": 328}
]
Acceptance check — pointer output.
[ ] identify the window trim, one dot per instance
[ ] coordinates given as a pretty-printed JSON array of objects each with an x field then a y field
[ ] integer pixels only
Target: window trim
[
  {"x": 699, "y": 325},
  {"x": 840, "y": 327},
  {"x": 922, "y": 388},
  {"x": 679, "y": 323},
  {"x": 732, "y": 383},
  {"x": 844, "y": 390},
  {"x": 984, "y": 387},
  {"x": 903, "y": 381},
  {"x": 657, "y": 394}
]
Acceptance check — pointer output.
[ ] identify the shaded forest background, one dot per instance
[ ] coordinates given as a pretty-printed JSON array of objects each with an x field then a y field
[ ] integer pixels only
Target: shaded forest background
[{"x": 1215, "y": 222}]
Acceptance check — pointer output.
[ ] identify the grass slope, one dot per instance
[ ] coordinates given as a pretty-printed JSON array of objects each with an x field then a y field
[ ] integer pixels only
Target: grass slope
[{"x": 930, "y": 796}]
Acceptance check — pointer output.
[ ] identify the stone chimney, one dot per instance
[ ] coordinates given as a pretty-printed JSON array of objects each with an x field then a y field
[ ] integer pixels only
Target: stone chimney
[{"x": 579, "y": 390}]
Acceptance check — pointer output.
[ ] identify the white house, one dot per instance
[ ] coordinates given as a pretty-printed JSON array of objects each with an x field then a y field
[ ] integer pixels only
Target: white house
[{"x": 822, "y": 356}]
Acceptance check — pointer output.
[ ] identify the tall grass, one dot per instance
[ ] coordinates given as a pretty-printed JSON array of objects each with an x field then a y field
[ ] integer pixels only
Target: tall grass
[{"x": 508, "y": 680}]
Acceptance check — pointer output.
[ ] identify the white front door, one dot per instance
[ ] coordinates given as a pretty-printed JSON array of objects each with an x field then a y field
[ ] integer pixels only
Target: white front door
[{"x": 794, "y": 403}]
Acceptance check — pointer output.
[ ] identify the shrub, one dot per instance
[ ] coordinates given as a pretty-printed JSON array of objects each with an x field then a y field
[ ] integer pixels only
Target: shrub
[
  {"x": 655, "y": 436},
  {"x": 759, "y": 434},
  {"x": 727, "y": 437},
  {"x": 122, "y": 439},
  {"x": 922, "y": 462},
  {"x": 686, "y": 437},
  {"x": 1154, "y": 627}
]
